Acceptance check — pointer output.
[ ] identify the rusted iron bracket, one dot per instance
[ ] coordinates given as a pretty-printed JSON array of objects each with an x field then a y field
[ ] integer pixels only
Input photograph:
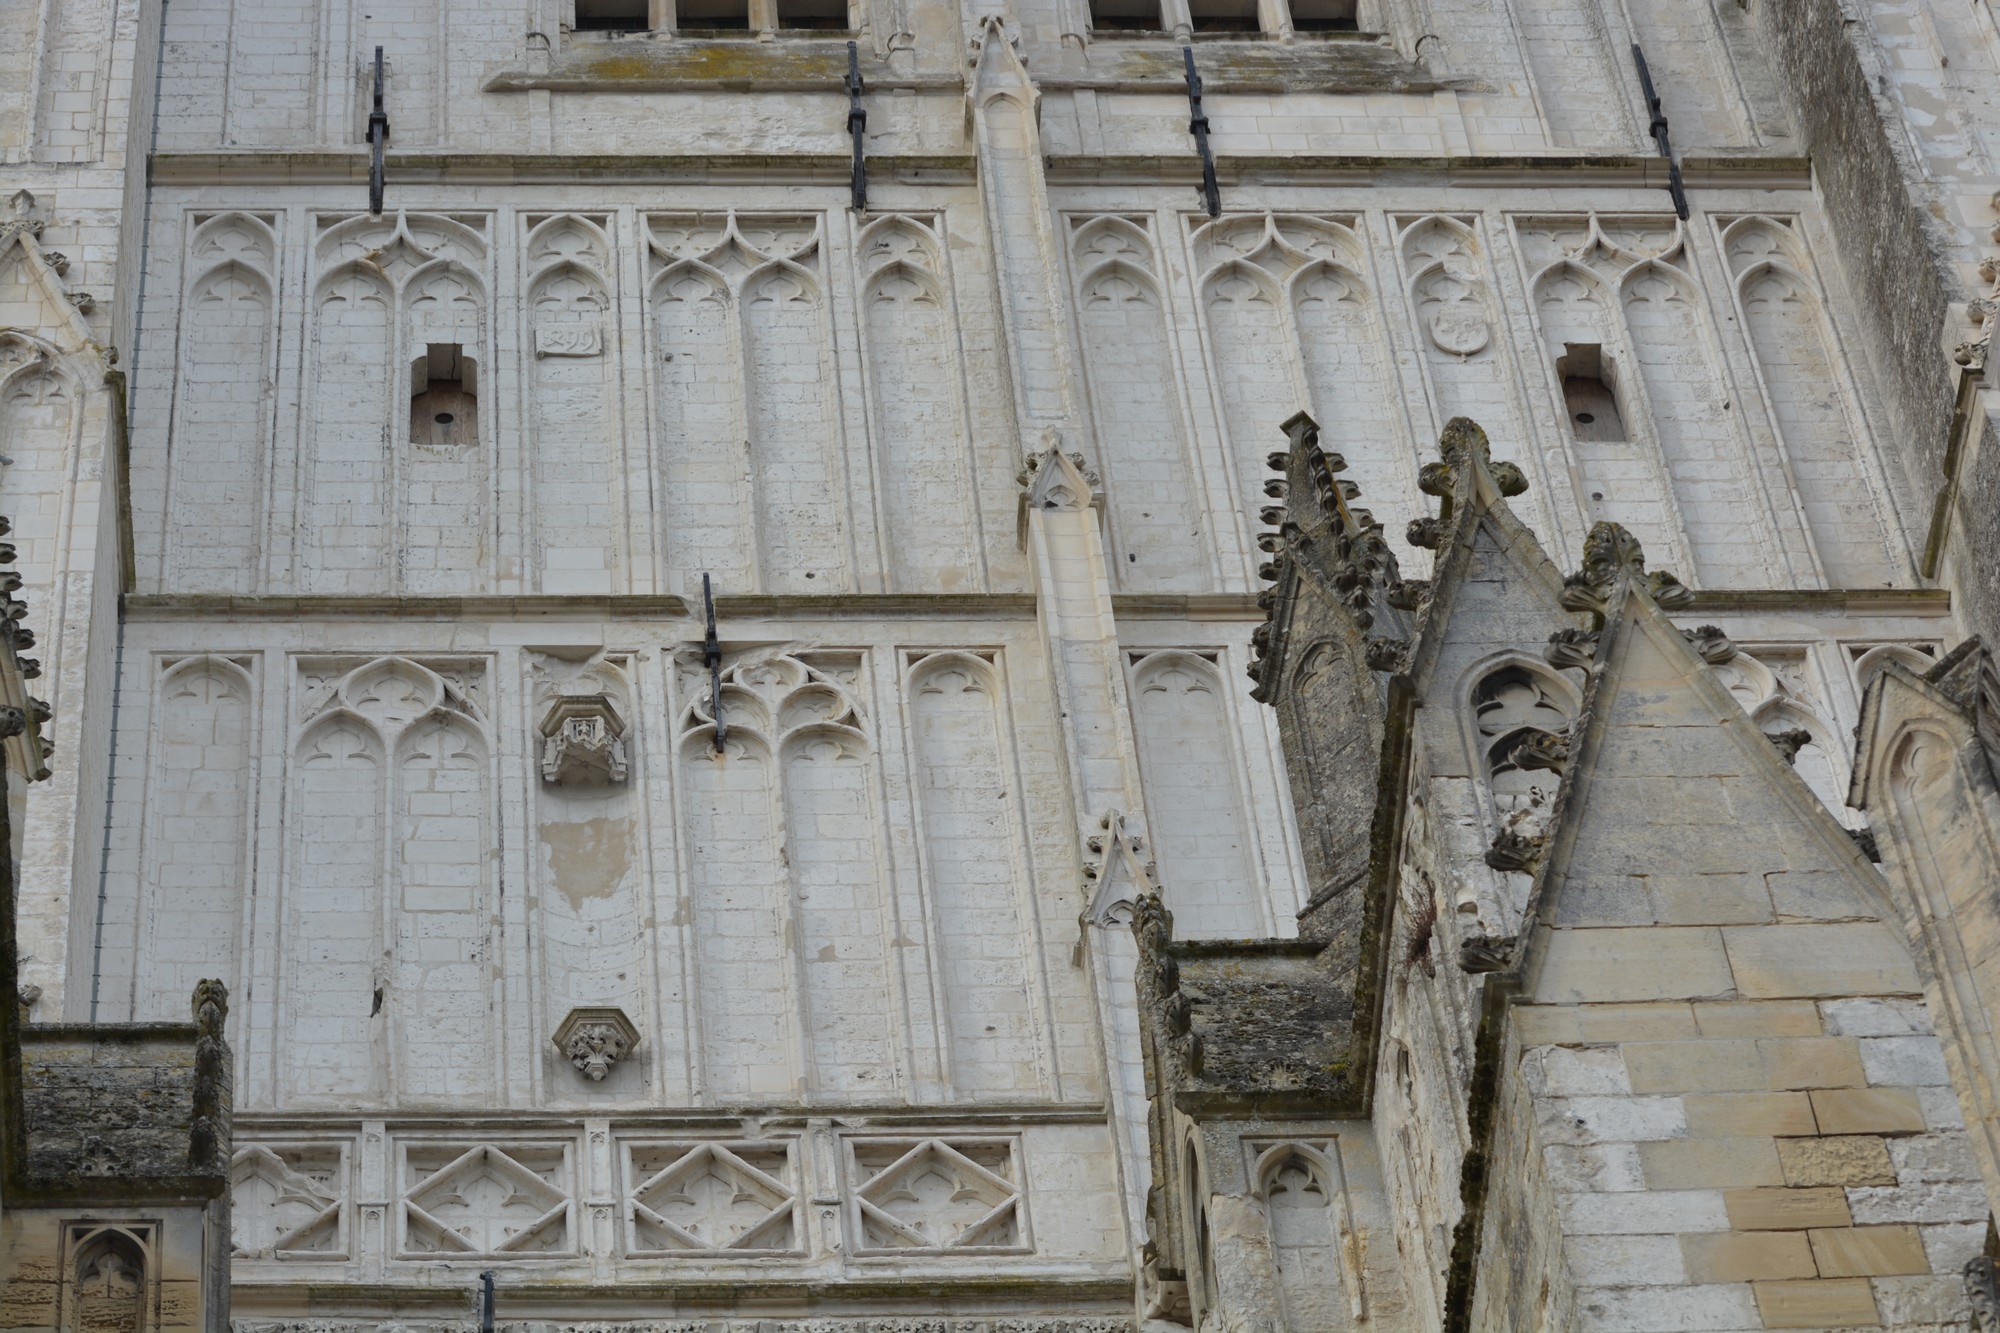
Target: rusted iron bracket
[
  {"x": 1211, "y": 195},
  {"x": 1658, "y": 129},
  {"x": 857, "y": 125},
  {"x": 378, "y": 139}
]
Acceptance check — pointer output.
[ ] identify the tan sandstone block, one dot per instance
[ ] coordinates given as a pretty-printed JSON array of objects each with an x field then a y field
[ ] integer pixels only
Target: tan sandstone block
[
  {"x": 1835, "y": 1303},
  {"x": 1813, "y": 1062},
  {"x": 1859, "y": 958},
  {"x": 1621, "y": 964},
  {"x": 1868, "y": 1251},
  {"x": 1692, "y": 1164},
  {"x": 1695, "y": 1066},
  {"x": 1867, "y": 1111},
  {"x": 1857, "y": 1159},
  {"x": 1746, "y": 1256},
  {"x": 1670, "y": 1021},
  {"x": 1758, "y": 1018},
  {"x": 1735, "y": 1114},
  {"x": 1785, "y": 1209},
  {"x": 1546, "y": 1024}
]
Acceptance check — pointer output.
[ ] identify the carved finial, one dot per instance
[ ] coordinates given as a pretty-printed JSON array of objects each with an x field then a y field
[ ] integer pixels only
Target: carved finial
[
  {"x": 1054, "y": 479},
  {"x": 1982, "y": 1291},
  {"x": 1611, "y": 554},
  {"x": 211, "y": 1007},
  {"x": 22, "y": 215},
  {"x": 1713, "y": 646}
]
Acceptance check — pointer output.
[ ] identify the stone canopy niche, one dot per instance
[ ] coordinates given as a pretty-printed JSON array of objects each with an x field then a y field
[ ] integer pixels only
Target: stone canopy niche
[{"x": 583, "y": 742}]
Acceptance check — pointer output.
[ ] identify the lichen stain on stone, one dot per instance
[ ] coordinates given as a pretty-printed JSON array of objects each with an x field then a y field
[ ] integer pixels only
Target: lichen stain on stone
[{"x": 588, "y": 858}]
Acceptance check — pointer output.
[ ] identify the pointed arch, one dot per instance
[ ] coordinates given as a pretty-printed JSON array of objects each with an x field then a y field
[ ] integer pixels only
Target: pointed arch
[
  {"x": 1350, "y": 386},
  {"x": 440, "y": 989},
  {"x": 899, "y": 238},
  {"x": 1111, "y": 237},
  {"x": 710, "y": 521},
  {"x": 1251, "y": 347},
  {"x": 919, "y": 416},
  {"x": 1155, "y": 518},
  {"x": 576, "y": 434},
  {"x": 1728, "y": 530},
  {"x": 257, "y": 242},
  {"x": 544, "y": 242},
  {"x": 202, "y": 771},
  {"x": 1191, "y": 770},
  {"x": 840, "y": 916},
  {"x": 970, "y": 822},
  {"x": 331, "y": 926},
  {"x": 1800, "y": 370},
  {"x": 747, "y": 971},
  {"x": 1822, "y": 761},
  {"x": 393, "y": 691},
  {"x": 217, "y": 453},
  {"x": 796, "y": 470},
  {"x": 1512, "y": 702},
  {"x": 347, "y": 464}
]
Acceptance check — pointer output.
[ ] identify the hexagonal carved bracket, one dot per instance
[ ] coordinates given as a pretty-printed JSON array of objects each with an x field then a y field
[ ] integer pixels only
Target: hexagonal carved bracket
[{"x": 595, "y": 1038}]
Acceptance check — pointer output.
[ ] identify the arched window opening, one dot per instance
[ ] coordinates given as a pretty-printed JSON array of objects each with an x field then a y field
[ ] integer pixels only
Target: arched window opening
[
  {"x": 1522, "y": 724},
  {"x": 444, "y": 398},
  {"x": 1589, "y": 394}
]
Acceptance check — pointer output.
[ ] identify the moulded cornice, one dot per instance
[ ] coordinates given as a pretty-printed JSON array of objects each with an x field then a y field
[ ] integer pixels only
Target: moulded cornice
[
  {"x": 1753, "y": 172},
  {"x": 664, "y": 606},
  {"x": 257, "y": 167}
]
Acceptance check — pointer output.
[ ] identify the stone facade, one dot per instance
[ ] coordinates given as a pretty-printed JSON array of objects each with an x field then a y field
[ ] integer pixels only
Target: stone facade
[{"x": 707, "y": 698}]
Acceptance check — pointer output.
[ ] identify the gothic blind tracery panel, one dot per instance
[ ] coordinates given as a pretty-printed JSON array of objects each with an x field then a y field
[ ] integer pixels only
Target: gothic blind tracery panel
[
  {"x": 968, "y": 817},
  {"x": 1189, "y": 765},
  {"x": 1155, "y": 520},
  {"x": 579, "y": 474}
]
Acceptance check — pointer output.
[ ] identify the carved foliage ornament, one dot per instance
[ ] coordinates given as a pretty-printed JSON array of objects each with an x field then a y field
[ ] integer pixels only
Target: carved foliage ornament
[
  {"x": 594, "y": 1039},
  {"x": 1610, "y": 554}
]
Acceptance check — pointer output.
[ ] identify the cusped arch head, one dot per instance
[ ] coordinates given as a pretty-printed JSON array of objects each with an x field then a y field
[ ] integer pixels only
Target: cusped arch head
[
  {"x": 1117, "y": 282},
  {"x": 355, "y": 236},
  {"x": 352, "y": 282},
  {"x": 770, "y": 282},
  {"x": 1749, "y": 681},
  {"x": 946, "y": 672},
  {"x": 113, "y": 1255},
  {"x": 1436, "y": 239},
  {"x": 1784, "y": 713},
  {"x": 1111, "y": 238},
  {"x": 231, "y": 677},
  {"x": 445, "y": 237},
  {"x": 585, "y": 289},
  {"x": 229, "y": 282},
  {"x": 1642, "y": 282},
  {"x": 25, "y": 357},
  {"x": 394, "y": 689},
  {"x": 1311, "y": 283},
  {"x": 243, "y": 237},
  {"x": 1483, "y": 690},
  {"x": 1275, "y": 1160},
  {"x": 824, "y": 741},
  {"x": 1236, "y": 236},
  {"x": 1755, "y": 239},
  {"x": 815, "y": 704},
  {"x": 338, "y": 735},
  {"x": 740, "y": 745},
  {"x": 1921, "y": 755},
  {"x": 1778, "y": 283},
  {"x": 445, "y": 737},
  {"x": 433, "y": 283},
  {"x": 742, "y": 709},
  {"x": 897, "y": 283},
  {"x": 1879, "y": 659},
  {"x": 1308, "y": 238},
  {"x": 1236, "y": 280},
  {"x": 899, "y": 239},
  {"x": 690, "y": 281},
  {"x": 569, "y": 238},
  {"x": 1156, "y": 670}
]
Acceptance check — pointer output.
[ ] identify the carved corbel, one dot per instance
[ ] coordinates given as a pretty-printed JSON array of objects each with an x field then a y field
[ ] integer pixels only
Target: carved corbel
[
  {"x": 1710, "y": 643},
  {"x": 583, "y": 742},
  {"x": 596, "y": 1038},
  {"x": 1789, "y": 742},
  {"x": 1571, "y": 648},
  {"x": 1480, "y": 954},
  {"x": 1515, "y": 850}
]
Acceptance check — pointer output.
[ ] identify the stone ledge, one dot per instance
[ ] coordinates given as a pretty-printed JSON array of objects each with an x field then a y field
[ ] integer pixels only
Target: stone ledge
[
  {"x": 634, "y": 606},
  {"x": 318, "y": 167}
]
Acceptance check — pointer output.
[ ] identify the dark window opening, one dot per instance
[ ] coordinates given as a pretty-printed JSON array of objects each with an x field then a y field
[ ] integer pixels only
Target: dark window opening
[
  {"x": 813, "y": 15},
  {"x": 1324, "y": 16},
  {"x": 444, "y": 398},
  {"x": 1125, "y": 15},
  {"x": 1224, "y": 15},
  {"x": 611, "y": 16},
  {"x": 713, "y": 15},
  {"x": 1588, "y": 396}
]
